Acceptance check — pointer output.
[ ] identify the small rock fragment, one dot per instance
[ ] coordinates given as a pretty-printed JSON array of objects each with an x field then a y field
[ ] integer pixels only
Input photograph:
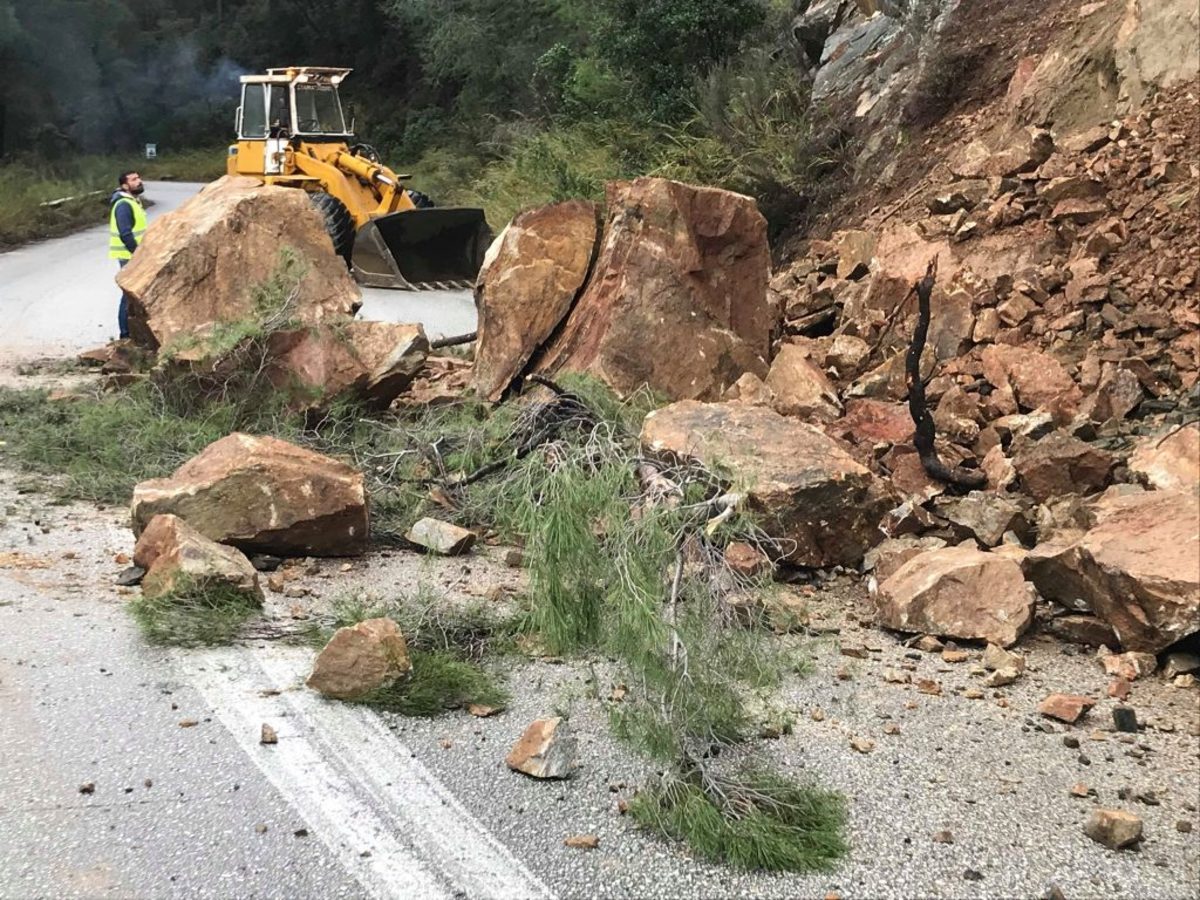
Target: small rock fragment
[
  {"x": 1065, "y": 707},
  {"x": 545, "y": 750},
  {"x": 441, "y": 537},
  {"x": 1130, "y": 666},
  {"x": 1114, "y": 828},
  {"x": 1125, "y": 719},
  {"x": 862, "y": 745},
  {"x": 582, "y": 841},
  {"x": 943, "y": 837},
  {"x": 188, "y": 723},
  {"x": 88, "y": 787},
  {"x": 482, "y": 711},
  {"x": 268, "y": 735}
]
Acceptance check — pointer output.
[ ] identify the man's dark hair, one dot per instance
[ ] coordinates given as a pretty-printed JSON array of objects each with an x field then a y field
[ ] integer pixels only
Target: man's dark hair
[{"x": 124, "y": 177}]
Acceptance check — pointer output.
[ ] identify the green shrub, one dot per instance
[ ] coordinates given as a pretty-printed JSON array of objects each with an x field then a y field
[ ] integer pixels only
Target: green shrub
[{"x": 194, "y": 615}]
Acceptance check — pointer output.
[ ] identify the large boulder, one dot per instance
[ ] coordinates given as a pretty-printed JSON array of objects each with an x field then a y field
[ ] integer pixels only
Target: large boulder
[
  {"x": 264, "y": 495},
  {"x": 532, "y": 274},
  {"x": 678, "y": 296},
  {"x": 822, "y": 505},
  {"x": 201, "y": 263},
  {"x": 1137, "y": 568},
  {"x": 958, "y": 592},
  {"x": 177, "y": 556},
  {"x": 372, "y": 362}
]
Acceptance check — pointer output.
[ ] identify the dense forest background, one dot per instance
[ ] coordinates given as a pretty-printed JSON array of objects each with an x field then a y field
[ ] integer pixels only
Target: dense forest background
[{"x": 501, "y": 103}]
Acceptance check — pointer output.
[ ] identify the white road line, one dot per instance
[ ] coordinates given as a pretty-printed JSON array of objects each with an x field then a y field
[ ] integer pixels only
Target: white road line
[{"x": 355, "y": 784}]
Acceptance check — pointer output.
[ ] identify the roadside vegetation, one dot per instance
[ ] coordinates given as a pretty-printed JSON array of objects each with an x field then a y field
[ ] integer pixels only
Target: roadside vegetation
[
  {"x": 485, "y": 103},
  {"x": 31, "y": 188},
  {"x": 193, "y": 615}
]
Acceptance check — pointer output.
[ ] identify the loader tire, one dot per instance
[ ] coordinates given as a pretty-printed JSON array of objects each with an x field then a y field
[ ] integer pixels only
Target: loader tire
[{"x": 338, "y": 223}]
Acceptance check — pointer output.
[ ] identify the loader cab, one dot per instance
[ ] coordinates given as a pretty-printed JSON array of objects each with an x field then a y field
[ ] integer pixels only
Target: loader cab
[{"x": 282, "y": 107}]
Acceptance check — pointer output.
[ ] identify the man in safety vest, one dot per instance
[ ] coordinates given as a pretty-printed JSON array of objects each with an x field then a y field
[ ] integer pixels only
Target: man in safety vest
[{"x": 126, "y": 225}]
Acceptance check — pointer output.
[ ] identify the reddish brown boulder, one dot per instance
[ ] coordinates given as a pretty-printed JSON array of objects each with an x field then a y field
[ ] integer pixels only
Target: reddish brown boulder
[
  {"x": 678, "y": 296},
  {"x": 1035, "y": 378},
  {"x": 531, "y": 277},
  {"x": 203, "y": 262},
  {"x": 1138, "y": 568},
  {"x": 175, "y": 555},
  {"x": 812, "y": 495},
  {"x": 1169, "y": 462},
  {"x": 800, "y": 388},
  {"x": 1059, "y": 464},
  {"x": 265, "y": 495},
  {"x": 1114, "y": 828},
  {"x": 360, "y": 659},
  {"x": 957, "y": 592},
  {"x": 369, "y": 361}
]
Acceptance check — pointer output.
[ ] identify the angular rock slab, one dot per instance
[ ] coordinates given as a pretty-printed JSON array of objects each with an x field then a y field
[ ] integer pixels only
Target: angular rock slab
[
  {"x": 201, "y": 263},
  {"x": 171, "y": 552},
  {"x": 443, "y": 538},
  {"x": 813, "y": 496},
  {"x": 530, "y": 278},
  {"x": 800, "y": 388},
  {"x": 545, "y": 750},
  {"x": 677, "y": 299},
  {"x": 263, "y": 495},
  {"x": 1169, "y": 462},
  {"x": 1037, "y": 379},
  {"x": 373, "y": 362},
  {"x": 957, "y": 592},
  {"x": 1138, "y": 568},
  {"x": 1059, "y": 465},
  {"x": 360, "y": 659}
]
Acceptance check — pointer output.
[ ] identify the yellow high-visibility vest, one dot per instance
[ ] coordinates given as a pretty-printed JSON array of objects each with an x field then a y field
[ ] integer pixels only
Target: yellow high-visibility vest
[{"x": 116, "y": 247}]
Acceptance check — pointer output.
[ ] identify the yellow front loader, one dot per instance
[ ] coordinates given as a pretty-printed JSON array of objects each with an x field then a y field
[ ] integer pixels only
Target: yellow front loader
[{"x": 291, "y": 132}]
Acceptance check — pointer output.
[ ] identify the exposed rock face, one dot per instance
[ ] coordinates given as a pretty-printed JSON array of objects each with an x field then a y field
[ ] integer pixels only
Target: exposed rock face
[
  {"x": 1138, "y": 568},
  {"x": 172, "y": 553},
  {"x": 1169, "y": 462},
  {"x": 812, "y": 494},
  {"x": 678, "y": 296},
  {"x": 801, "y": 388},
  {"x": 265, "y": 495},
  {"x": 360, "y": 659},
  {"x": 369, "y": 361},
  {"x": 531, "y": 276},
  {"x": 958, "y": 592},
  {"x": 545, "y": 750},
  {"x": 199, "y": 264}
]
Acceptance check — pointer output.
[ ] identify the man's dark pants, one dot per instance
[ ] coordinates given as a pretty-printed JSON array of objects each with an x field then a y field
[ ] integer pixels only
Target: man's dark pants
[{"x": 123, "y": 309}]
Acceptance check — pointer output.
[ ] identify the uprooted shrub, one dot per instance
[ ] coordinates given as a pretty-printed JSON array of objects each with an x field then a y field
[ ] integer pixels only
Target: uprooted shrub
[
  {"x": 626, "y": 561},
  {"x": 194, "y": 614}
]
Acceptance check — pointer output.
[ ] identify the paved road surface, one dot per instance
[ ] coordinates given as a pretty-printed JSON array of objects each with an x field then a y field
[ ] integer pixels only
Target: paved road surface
[
  {"x": 58, "y": 297},
  {"x": 186, "y": 801}
]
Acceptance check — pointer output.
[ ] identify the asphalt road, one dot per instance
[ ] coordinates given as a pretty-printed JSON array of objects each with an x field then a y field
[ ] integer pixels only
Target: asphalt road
[
  {"x": 133, "y": 771},
  {"x": 58, "y": 297}
]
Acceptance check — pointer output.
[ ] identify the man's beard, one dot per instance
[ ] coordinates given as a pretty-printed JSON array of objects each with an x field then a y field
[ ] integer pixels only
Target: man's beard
[{"x": 138, "y": 191}]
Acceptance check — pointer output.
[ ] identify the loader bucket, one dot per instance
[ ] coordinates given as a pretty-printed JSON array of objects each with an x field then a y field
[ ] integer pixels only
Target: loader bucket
[{"x": 421, "y": 249}]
